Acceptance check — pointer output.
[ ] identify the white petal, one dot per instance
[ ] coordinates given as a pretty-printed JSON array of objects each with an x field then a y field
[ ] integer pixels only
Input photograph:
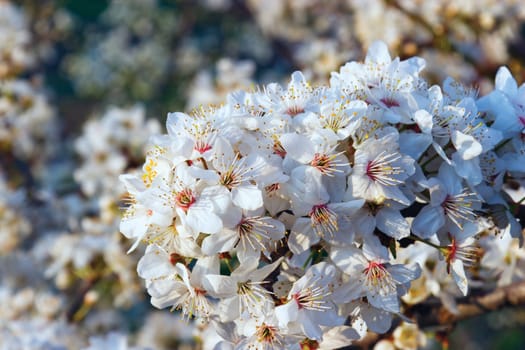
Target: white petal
[
  {"x": 360, "y": 326},
  {"x": 311, "y": 329},
  {"x": 314, "y": 190},
  {"x": 470, "y": 169},
  {"x": 298, "y": 147},
  {"x": 263, "y": 272},
  {"x": 250, "y": 253},
  {"x": 219, "y": 242},
  {"x": 424, "y": 121},
  {"x": 155, "y": 263},
  {"x": 227, "y": 155},
  {"x": 207, "y": 265},
  {"x": 349, "y": 292},
  {"x": 377, "y": 320},
  {"x": 378, "y": 53},
  {"x": 338, "y": 337},
  {"x": 174, "y": 121},
  {"x": 219, "y": 196},
  {"x": 227, "y": 331},
  {"x": 468, "y": 230},
  {"x": 163, "y": 302},
  {"x": 219, "y": 286},
  {"x": 458, "y": 273},
  {"x": 347, "y": 208},
  {"x": 133, "y": 246},
  {"x": 162, "y": 218},
  {"x": 438, "y": 191},
  {"x": 467, "y": 146},
  {"x": 203, "y": 221},
  {"x": 428, "y": 221},
  {"x": 403, "y": 274},
  {"x": 450, "y": 180},
  {"x": 439, "y": 150},
  {"x": 165, "y": 287},
  {"x": 388, "y": 302},
  {"x": 132, "y": 183},
  {"x": 302, "y": 236},
  {"x": 414, "y": 145},
  {"x": 395, "y": 193},
  {"x": 364, "y": 222},
  {"x": 286, "y": 313},
  {"x": 392, "y": 223},
  {"x": 506, "y": 82},
  {"x": 134, "y": 226},
  {"x": 348, "y": 259},
  {"x": 247, "y": 197},
  {"x": 297, "y": 79}
]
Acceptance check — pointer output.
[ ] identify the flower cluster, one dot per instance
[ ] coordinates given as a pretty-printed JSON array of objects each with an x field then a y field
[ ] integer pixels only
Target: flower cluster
[
  {"x": 15, "y": 53},
  {"x": 293, "y": 216},
  {"x": 26, "y": 117},
  {"x": 287, "y": 215},
  {"x": 110, "y": 144}
]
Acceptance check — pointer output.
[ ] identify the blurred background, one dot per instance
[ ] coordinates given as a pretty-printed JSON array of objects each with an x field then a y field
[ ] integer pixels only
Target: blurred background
[{"x": 83, "y": 84}]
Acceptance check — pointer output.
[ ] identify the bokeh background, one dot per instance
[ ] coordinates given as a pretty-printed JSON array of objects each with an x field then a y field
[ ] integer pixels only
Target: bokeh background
[{"x": 83, "y": 84}]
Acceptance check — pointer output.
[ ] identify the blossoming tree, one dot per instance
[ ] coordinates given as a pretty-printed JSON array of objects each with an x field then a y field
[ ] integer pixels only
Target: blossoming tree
[{"x": 301, "y": 217}]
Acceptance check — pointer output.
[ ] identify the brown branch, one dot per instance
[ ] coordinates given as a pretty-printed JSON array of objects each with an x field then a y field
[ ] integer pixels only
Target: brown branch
[
  {"x": 428, "y": 316},
  {"x": 417, "y": 18},
  {"x": 433, "y": 314},
  {"x": 78, "y": 302}
]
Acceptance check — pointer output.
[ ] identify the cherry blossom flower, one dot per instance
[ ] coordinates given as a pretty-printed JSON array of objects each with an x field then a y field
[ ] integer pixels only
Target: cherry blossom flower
[
  {"x": 450, "y": 204},
  {"x": 300, "y": 217},
  {"x": 381, "y": 282},
  {"x": 379, "y": 170},
  {"x": 251, "y": 235},
  {"x": 243, "y": 293},
  {"x": 139, "y": 215},
  {"x": 174, "y": 285},
  {"x": 308, "y": 303}
]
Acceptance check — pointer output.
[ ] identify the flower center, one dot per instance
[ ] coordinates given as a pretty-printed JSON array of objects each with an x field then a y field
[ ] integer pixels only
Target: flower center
[
  {"x": 252, "y": 296},
  {"x": 271, "y": 189},
  {"x": 321, "y": 162},
  {"x": 267, "y": 334},
  {"x": 382, "y": 171},
  {"x": 389, "y": 102},
  {"x": 311, "y": 298},
  {"x": 323, "y": 220},
  {"x": 459, "y": 208},
  {"x": 326, "y": 164},
  {"x": 235, "y": 173},
  {"x": 185, "y": 199},
  {"x": 378, "y": 279},
  {"x": 467, "y": 254},
  {"x": 201, "y": 146},
  {"x": 336, "y": 120},
  {"x": 252, "y": 232},
  {"x": 294, "y": 110},
  {"x": 309, "y": 344},
  {"x": 278, "y": 147},
  {"x": 194, "y": 304},
  {"x": 229, "y": 179},
  {"x": 451, "y": 251}
]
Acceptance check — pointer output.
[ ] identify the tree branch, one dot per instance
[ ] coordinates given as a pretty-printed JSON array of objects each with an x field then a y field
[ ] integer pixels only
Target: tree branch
[
  {"x": 428, "y": 316},
  {"x": 433, "y": 314}
]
